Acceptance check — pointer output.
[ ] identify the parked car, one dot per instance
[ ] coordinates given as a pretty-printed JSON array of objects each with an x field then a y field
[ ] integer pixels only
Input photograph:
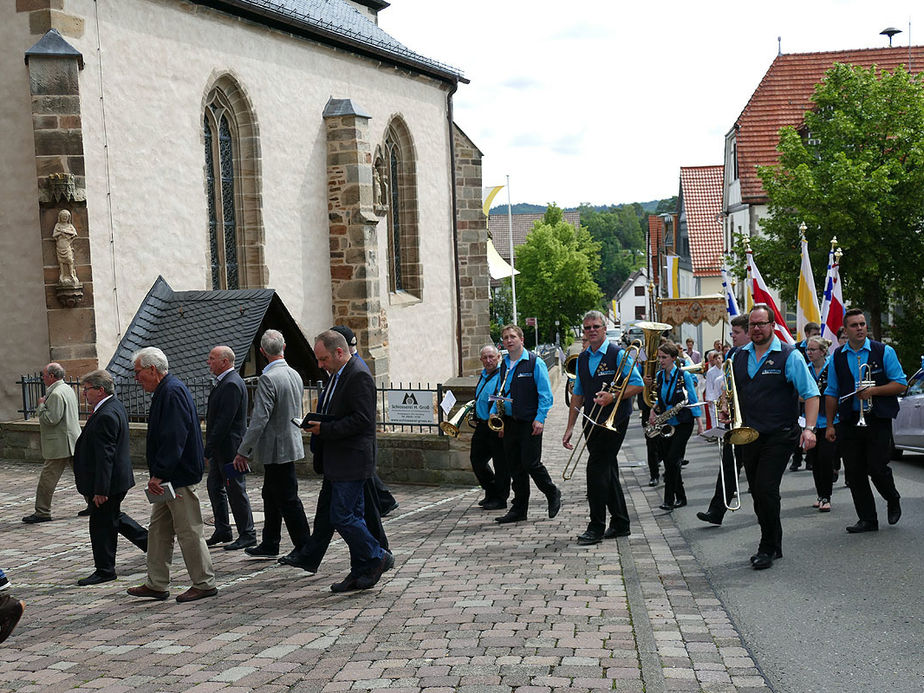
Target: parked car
[
  {"x": 908, "y": 427},
  {"x": 614, "y": 335}
]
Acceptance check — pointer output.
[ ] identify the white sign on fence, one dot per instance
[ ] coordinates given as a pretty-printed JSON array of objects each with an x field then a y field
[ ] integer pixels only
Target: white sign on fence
[{"x": 410, "y": 407}]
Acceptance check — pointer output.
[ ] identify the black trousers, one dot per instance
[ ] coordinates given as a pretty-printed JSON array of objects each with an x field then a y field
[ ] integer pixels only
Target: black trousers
[
  {"x": 224, "y": 491},
  {"x": 385, "y": 499},
  {"x": 865, "y": 451},
  {"x": 764, "y": 462},
  {"x": 604, "y": 492},
  {"x": 671, "y": 451},
  {"x": 281, "y": 502},
  {"x": 523, "y": 452},
  {"x": 821, "y": 457},
  {"x": 107, "y": 522},
  {"x": 651, "y": 444},
  {"x": 487, "y": 446},
  {"x": 731, "y": 467},
  {"x": 312, "y": 551}
]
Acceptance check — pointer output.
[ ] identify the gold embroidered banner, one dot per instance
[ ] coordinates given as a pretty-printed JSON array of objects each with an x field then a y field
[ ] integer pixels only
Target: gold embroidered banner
[{"x": 693, "y": 310}]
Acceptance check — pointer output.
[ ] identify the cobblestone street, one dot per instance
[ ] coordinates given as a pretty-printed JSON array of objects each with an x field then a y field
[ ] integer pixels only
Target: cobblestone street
[{"x": 470, "y": 605}]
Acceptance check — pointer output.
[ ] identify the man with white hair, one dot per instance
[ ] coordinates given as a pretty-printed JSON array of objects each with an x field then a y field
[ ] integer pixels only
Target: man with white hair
[
  {"x": 174, "y": 454},
  {"x": 272, "y": 440},
  {"x": 59, "y": 429}
]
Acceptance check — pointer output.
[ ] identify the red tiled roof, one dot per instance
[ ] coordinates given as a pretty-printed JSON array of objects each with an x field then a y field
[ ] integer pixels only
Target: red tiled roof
[
  {"x": 655, "y": 241},
  {"x": 701, "y": 188},
  {"x": 522, "y": 224},
  {"x": 784, "y": 95}
]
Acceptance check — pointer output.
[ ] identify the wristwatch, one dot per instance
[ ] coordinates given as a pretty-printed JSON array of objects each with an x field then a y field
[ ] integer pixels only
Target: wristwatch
[{"x": 809, "y": 428}]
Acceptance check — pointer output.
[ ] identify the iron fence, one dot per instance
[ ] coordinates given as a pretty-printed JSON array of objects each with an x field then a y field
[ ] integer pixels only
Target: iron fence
[{"x": 399, "y": 408}]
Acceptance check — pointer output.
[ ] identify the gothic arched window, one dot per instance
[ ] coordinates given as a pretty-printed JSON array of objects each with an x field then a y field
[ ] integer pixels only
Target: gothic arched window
[{"x": 405, "y": 272}]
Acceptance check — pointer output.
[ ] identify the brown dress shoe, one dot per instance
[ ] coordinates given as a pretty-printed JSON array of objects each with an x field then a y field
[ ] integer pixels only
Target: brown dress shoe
[
  {"x": 194, "y": 593},
  {"x": 147, "y": 592}
]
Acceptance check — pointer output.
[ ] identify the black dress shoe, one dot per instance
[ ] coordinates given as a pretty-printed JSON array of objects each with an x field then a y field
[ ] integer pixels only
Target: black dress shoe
[
  {"x": 554, "y": 503},
  {"x": 895, "y": 512},
  {"x": 240, "y": 543},
  {"x": 681, "y": 503},
  {"x": 653, "y": 481},
  {"x": 384, "y": 511},
  {"x": 864, "y": 526},
  {"x": 95, "y": 579},
  {"x": 218, "y": 539},
  {"x": 589, "y": 538},
  {"x": 389, "y": 561},
  {"x": 483, "y": 501},
  {"x": 85, "y": 512},
  {"x": 762, "y": 561},
  {"x": 613, "y": 532},
  {"x": 260, "y": 551},
  {"x": 776, "y": 556},
  {"x": 665, "y": 506},
  {"x": 684, "y": 463},
  {"x": 494, "y": 504},
  {"x": 296, "y": 561},
  {"x": 710, "y": 518},
  {"x": 346, "y": 585},
  {"x": 510, "y": 517},
  {"x": 33, "y": 519}
]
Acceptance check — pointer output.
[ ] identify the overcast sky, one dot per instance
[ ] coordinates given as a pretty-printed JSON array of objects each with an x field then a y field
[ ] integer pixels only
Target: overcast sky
[{"x": 602, "y": 101}]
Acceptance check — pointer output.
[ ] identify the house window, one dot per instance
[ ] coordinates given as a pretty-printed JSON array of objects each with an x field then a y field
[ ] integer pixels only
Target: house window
[
  {"x": 639, "y": 290},
  {"x": 398, "y": 168},
  {"x": 639, "y": 312},
  {"x": 232, "y": 187},
  {"x": 735, "y": 158}
]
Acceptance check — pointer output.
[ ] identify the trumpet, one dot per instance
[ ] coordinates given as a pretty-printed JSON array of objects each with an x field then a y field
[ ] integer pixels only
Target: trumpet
[
  {"x": 865, "y": 383},
  {"x": 617, "y": 387},
  {"x": 451, "y": 427},
  {"x": 695, "y": 369},
  {"x": 652, "y": 332}
]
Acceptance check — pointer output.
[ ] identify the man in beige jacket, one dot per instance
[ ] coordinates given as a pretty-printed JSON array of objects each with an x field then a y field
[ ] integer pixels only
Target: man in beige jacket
[{"x": 59, "y": 428}]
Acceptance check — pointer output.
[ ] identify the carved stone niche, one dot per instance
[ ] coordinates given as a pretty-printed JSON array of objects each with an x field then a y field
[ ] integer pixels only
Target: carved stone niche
[{"x": 379, "y": 184}]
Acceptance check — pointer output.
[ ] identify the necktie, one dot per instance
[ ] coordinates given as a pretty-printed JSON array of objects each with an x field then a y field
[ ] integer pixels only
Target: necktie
[{"x": 329, "y": 393}]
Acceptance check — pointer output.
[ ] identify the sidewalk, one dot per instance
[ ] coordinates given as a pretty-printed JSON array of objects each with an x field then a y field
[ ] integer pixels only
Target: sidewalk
[{"x": 470, "y": 605}]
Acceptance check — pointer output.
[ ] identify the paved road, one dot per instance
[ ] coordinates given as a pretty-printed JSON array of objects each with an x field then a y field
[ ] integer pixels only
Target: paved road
[{"x": 839, "y": 612}]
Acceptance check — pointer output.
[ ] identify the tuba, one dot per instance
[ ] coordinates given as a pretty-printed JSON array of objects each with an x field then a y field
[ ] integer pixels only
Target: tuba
[
  {"x": 652, "y": 332},
  {"x": 451, "y": 427}
]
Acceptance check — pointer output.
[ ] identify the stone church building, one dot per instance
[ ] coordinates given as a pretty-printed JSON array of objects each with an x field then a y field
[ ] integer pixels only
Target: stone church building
[{"x": 233, "y": 144}]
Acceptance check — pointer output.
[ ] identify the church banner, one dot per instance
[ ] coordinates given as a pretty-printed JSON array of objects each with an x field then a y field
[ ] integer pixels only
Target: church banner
[{"x": 693, "y": 310}]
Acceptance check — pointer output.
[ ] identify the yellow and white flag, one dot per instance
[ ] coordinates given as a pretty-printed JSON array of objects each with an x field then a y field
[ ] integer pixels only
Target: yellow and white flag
[
  {"x": 488, "y": 195},
  {"x": 806, "y": 298},
  {"x": 672, "y": 274}
]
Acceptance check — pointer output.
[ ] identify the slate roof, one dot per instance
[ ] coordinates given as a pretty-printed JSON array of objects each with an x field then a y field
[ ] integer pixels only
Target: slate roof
[
  {"x": 187, "y": 324},
  {"x": 784, "y": 95},
  {"x": 337, "y": 22},
  {"x": 522, "y": 224},
  {"x": 701, "y": 191}
]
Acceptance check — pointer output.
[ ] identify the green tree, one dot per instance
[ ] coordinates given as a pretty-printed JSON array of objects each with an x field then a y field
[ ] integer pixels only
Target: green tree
[
  {"x": 557, "y": 265},
  {"x": 855, "y": 170},
  {"x": 618, "y": 230}
]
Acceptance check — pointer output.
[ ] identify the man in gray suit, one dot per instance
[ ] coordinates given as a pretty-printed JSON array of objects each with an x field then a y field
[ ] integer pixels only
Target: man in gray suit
[
  {"x": 272, "y": 440},
  {"x": 59, "y": 429}
]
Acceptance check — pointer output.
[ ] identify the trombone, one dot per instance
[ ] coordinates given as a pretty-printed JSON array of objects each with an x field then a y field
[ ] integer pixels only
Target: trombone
[
  {"x": 451, "y": 427},
  {"x": 738, "y": 434},
  {"x": 619, "y": 388}
]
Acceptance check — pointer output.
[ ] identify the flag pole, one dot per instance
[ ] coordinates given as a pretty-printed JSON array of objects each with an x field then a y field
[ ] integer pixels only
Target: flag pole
[{"x": 513, "y": 279}]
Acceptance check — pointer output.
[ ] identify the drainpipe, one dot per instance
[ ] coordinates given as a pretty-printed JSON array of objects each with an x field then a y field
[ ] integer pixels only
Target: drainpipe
[{"x": 455, "y": 227}]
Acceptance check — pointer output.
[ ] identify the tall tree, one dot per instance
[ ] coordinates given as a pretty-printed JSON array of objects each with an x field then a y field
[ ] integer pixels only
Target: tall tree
[
  {"x": 557, "y": 264},
  {"x": 854, "y": 170},
  {"x": 618, "y": 230}
]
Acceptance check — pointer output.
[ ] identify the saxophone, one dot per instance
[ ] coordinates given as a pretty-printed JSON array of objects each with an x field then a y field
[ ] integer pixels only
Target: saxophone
[{"x": 660, "y": 427}]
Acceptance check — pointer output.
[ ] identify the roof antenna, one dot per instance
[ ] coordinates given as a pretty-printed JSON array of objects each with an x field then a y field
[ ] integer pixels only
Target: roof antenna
[
  {"x": 779, "y": 45},
  {"x": 890, "y": 32}
]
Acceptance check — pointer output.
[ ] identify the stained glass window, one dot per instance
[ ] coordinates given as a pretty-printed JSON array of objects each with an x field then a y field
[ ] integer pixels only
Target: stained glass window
[
  {"x": 395, "y": 212},
  {"x": 219, "y": 157}
]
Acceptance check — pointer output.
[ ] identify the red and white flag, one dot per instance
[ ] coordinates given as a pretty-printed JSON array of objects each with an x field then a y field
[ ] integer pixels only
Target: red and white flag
[
  {"x": 761, "y": 294},
  {"x": 832, "y": 311}
]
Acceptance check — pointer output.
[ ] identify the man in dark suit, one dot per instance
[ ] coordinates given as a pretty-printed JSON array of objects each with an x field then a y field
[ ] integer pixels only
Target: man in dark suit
[
  {"x": 103, "y": 471},
  {"x": 225, "y": 423},
  {"x": 345, "y": 447}
]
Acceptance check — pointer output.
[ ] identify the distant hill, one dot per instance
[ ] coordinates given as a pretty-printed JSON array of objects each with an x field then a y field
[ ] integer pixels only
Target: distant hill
[{"x": 527, "y": 208}]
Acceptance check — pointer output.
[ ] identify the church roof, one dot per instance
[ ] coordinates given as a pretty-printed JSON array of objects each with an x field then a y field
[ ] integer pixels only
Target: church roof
[
  {"x": 338, "y": 23},
  {"x": 186, "y": 325},
  {"x": 785, "y": 94},
  {"x": 522, "y": 224},
  {"x": 701, "y": 188}
]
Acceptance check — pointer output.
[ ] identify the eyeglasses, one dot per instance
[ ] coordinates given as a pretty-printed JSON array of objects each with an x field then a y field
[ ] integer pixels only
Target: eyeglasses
[
  {"x": 752, "y": 325},
  {"x": 588, "y": 328},
  {"x": 91, "y": 387}
]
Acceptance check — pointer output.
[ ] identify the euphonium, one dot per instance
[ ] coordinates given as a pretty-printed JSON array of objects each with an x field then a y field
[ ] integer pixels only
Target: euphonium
[
  {"x": 571, "y": 366},
  {"x": 738, "y": 434},
  {"x": 653, "y": 332},
  {"x": 451, "y": 427}
]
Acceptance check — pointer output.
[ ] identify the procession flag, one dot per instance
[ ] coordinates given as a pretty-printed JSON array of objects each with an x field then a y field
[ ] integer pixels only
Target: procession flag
[
  {"x": 834, "y": 318},
  {"x": 731, "y": 303},
  {"x": 488, "y": 195},
  {"x": 761, "y": 294},
  {"x": 806, "y": 299},
  {"x": 672, "y": 266},
  {"x": 826, "y": 292}
]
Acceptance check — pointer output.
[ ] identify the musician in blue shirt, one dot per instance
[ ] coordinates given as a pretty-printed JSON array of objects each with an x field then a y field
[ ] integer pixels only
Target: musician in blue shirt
[
  {"x": 527, "y": 393},
  {"x": 596, "y": 369},
  {"x": 865, "y": 448},
  {"x": 486, "y": 444},
  {"x": 674, "y": 386}
]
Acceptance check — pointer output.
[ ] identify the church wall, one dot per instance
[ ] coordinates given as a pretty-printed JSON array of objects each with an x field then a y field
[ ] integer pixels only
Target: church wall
[
  {"x": 24, "y": 338},
  {"x": 160, "y": 58}
]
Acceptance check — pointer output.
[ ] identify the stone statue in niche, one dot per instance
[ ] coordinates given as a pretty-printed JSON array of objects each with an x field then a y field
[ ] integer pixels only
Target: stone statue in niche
[
  {"x": 64, "y": 235},
  {"x": 379, "y": 187}
]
